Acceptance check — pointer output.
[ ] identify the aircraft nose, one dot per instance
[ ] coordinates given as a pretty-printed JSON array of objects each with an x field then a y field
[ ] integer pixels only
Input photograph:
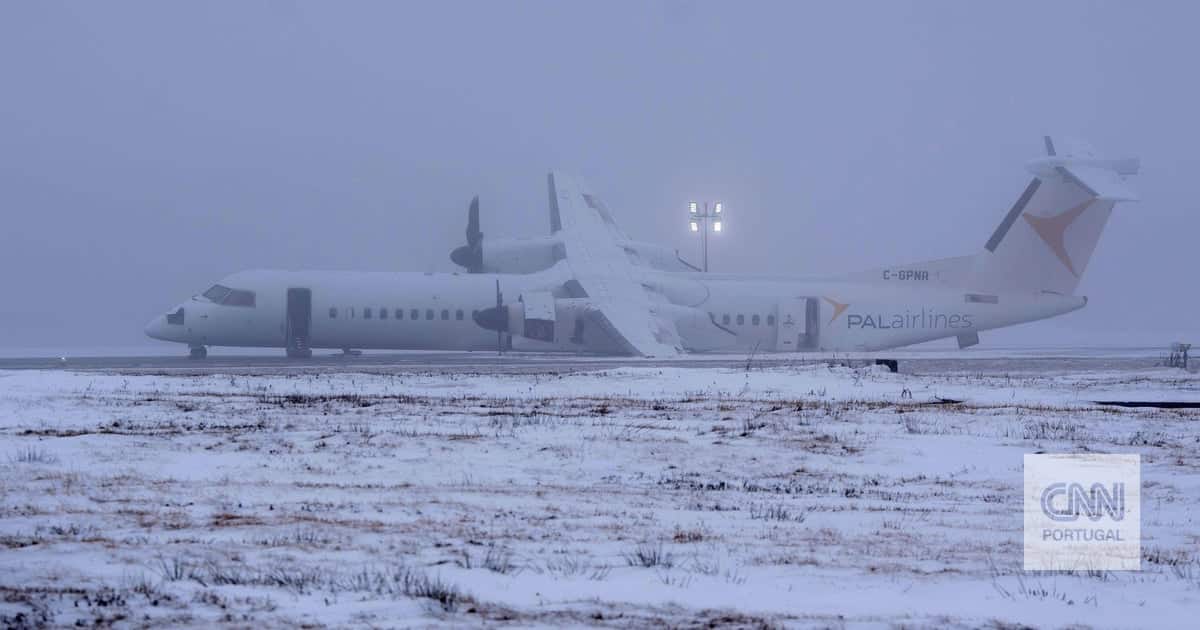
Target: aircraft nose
[
  {"x": 167, "y": 327},
  {"x": 155, "y": 329}
]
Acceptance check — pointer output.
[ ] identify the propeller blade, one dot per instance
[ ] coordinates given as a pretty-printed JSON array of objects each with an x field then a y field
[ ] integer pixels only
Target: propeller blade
[
  {"x": 494, "y": 318},
  {"x": 470, "y": 255},
  {"x": 474, "y": 236}
]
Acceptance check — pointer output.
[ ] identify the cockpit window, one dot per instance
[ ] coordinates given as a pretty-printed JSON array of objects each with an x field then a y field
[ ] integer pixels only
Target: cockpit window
[
  {"x": 217, "y": 293},
  {"x": 230, "y": 297},
  {"x": 239, "y": 297}
]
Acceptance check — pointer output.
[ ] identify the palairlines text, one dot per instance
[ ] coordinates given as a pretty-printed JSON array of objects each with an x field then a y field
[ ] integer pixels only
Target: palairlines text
[{"x": 921, "y": 320}]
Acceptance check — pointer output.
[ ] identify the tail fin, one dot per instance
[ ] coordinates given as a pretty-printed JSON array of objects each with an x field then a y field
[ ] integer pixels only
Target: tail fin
[{"x": 1045, "y": 241}]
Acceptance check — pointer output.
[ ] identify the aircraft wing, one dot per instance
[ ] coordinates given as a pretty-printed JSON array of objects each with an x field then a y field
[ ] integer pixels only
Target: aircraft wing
[
  {"x": 599, "y": 217},
  {"x": 620, "y": 304}
]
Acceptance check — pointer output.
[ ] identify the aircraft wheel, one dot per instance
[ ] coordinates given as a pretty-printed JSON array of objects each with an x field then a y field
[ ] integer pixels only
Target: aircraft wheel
[{"x": 198, "y": 353}]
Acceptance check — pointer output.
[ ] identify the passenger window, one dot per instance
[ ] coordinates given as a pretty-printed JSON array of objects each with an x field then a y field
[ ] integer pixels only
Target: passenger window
[
  {"x": 725, "y": 319},
  {"x": 428, "y": 313},
  {"x": 458, "y": 315},
  {"x": 741, "y": 319},
  {"x": 383, "y": 312},
  {"x": 367, "y": 313},
  {"x": 770, "y": 320},
  {"x": 445, "y": 314},
  {"x": 414, "y": 314},
  {"x": 754, "y": 320},
  {"x": 332, "y": 312}
]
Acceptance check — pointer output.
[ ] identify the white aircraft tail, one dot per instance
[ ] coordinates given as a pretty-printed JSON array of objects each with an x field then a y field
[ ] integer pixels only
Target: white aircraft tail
[{"x": 1045, "y": 241}]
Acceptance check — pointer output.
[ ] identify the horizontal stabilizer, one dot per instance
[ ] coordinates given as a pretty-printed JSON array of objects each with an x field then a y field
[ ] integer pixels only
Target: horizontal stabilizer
[
  {"x": 1105, "y": 183},
  {"x": 1103, "y": 179}
]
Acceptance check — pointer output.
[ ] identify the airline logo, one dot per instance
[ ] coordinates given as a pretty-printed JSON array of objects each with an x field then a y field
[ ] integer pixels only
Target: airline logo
[
  {"x": 838, "y": 308},
  {"x": 926, "y": 318},
  {"x": 1053, "y": 231}
]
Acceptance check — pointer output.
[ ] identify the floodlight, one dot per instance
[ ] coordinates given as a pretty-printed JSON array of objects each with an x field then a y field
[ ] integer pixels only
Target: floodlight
[{"x": 702, "y": 221}]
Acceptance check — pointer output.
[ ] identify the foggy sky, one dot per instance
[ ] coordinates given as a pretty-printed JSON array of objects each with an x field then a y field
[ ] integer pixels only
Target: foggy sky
[{"x": 148, "y": 149}]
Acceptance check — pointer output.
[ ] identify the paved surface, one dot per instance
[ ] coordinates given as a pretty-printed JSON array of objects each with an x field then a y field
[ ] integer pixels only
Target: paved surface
[{"x": 485, "y": 362}]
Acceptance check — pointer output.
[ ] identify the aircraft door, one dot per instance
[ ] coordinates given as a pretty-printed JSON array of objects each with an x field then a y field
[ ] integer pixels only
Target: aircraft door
[
  {"x": 812, "y": 310},
  {"x": 796, "y": 325},
  {"x": 791, "y": 324},
  {"x": 299, "y": 322}
]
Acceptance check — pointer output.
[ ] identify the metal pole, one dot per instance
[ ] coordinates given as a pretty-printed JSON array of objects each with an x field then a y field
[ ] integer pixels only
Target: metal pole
[{"x": 704, "y": 227}]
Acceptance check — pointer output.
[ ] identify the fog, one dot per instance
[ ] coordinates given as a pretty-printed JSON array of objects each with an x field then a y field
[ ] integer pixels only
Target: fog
[{"x": 148, "y": 148}]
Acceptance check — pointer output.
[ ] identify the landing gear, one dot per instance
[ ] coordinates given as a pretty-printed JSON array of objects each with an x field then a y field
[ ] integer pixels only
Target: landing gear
[
  {"x": 350, "y": 352},
  {"x": 893, "y": 365},
  {"x": 197, "y": 352}
]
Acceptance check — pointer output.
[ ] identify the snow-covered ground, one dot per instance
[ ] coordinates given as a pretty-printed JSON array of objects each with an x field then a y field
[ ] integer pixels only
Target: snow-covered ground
[{"x": 634, "y": 496}]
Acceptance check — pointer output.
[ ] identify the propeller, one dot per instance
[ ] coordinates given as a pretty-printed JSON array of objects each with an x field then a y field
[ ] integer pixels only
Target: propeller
[
  {"x": 471, "y": 254},
  {"x": 495, "y": 318}
]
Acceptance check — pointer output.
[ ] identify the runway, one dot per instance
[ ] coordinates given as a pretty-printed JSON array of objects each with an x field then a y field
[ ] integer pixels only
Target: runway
[{"x": 1014, "y": 361}]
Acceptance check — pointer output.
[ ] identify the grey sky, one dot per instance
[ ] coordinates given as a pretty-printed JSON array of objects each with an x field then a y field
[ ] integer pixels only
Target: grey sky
[{"x": 149, "y": 148}]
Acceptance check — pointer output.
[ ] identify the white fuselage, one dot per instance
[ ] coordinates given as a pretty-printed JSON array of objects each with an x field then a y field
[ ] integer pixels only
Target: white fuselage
[
  {"x": 426, "y": 311},
  {"x": 588, "y": 288}
]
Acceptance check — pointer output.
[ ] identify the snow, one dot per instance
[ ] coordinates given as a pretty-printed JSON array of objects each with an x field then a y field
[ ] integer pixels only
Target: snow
[{"x": 803, "y": 495}]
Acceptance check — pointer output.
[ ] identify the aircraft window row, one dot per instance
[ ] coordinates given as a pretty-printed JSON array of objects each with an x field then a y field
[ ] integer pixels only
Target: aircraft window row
[
  {"x": 229, "y": 297},
  {"x": 755, "y": 320},
  {"x": 398, "y": 314}
]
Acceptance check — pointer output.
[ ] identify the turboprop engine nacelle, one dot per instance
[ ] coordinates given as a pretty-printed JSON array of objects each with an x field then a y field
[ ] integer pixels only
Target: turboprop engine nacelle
[
  {"x": 525, "y": 256},
  {"x": 536, "y": 316},
  {"x": 511, "y": 255},
  {"x": 522, "y": 255},
  {"x": 555, "y": 323},
  {"x": 573, "y": 324}
]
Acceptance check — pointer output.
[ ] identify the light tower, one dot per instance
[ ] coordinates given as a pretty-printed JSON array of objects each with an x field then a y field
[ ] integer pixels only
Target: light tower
[{"x": 700, "y": 222}]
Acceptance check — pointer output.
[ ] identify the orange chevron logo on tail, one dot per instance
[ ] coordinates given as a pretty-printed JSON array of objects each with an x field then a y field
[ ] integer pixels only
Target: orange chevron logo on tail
[
  {"x": 1053, "y": 231},
  {"x": 838, "y": 308}
]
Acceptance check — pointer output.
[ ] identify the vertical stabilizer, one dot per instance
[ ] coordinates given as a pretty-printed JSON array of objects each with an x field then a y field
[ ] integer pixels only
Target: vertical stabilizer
[{"x": 1047, "y": 238}]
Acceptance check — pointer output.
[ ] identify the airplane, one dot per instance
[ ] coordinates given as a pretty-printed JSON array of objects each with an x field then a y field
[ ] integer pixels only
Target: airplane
[{"x": 588, "y": 288}]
